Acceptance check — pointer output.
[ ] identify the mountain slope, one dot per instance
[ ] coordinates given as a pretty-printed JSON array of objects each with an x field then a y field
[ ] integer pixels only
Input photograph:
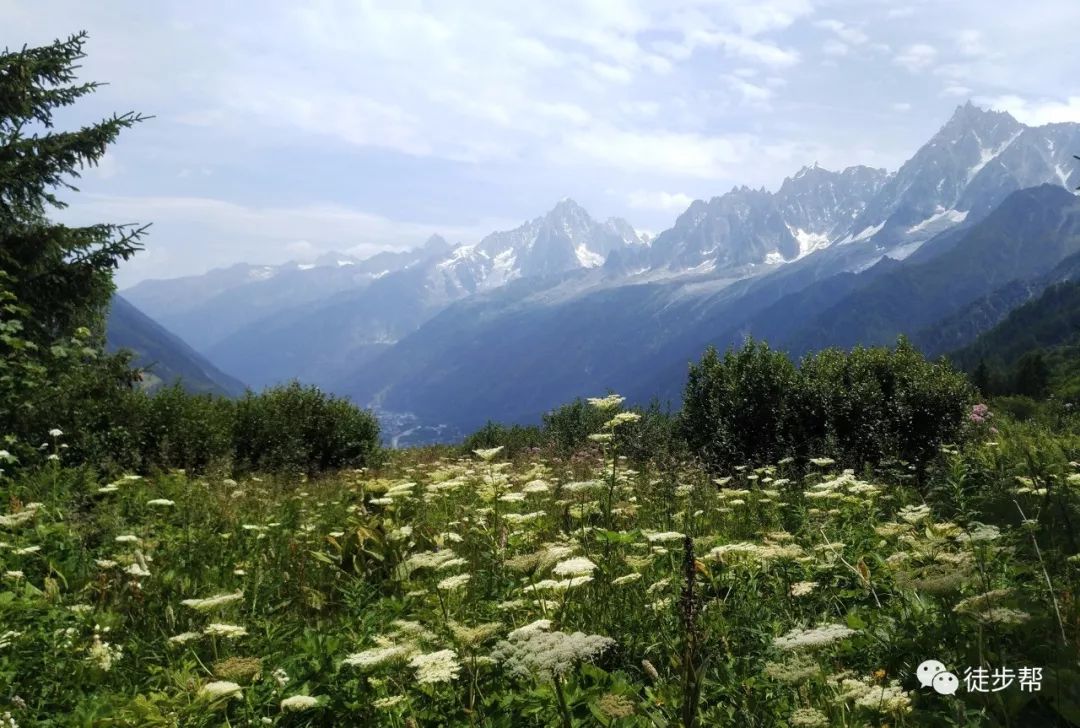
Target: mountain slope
[
  {"x": 166, "y": 357},
  {"x": 323, "y": 340},
  {"x": 1028, "y": 235},
  {"x": 1051, "y": 320},
  {"x": 205, "y": 310}
]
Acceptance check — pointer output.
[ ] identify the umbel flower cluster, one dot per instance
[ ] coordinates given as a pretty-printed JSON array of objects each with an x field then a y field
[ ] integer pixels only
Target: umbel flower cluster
[
  {"x": 460, "y": 587},
  {"x": 535, "y": 652}
]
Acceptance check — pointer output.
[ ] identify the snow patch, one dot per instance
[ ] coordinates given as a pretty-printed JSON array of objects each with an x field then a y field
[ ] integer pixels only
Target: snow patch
[
  {"x": 305, "y": 266},
  {"x": 587, "y": 258},
  {"x": 1062, "y": 175},
  {"x": 987, "y": 155},
  {"x": 380, "y": 274},
  {"x": 774, "y": 258},
  {"x": 808, "y": 241},
  {"x": 863, "y": 234},
  {"x": 952, "y": 217},
  {"x": 504, "y": 261},
  {"x": 903, "y": 251},
  {"x": 262, "y": 274},
  {"x": 346, "y": 262}
]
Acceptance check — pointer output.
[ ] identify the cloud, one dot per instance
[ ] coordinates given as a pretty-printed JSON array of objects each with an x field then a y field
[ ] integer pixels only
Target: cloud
[
  {"x": 257, "y": 234},
  {"x": 662, "y": 152},
  {"x": 970, "y": 42},
  {"x": 833, "y": 47},
  {"x": 956, "y": 90},
  {"x": 736, "y": 46},
  {"x": 916, "y": 57},
  {"x": 1036, "y": 112},
  {"x": 335, "y": 121},
  {"x": 847, "y": 33},
  {"x": 666, "y": 201}
]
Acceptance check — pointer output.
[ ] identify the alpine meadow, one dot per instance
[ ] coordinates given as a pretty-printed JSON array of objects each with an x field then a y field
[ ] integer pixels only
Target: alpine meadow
[{"x": 807, "y": 458}]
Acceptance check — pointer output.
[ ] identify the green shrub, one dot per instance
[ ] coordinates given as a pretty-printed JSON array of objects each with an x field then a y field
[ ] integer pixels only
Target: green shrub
[
  {"x": 516, "y": 439},
  {"x": 567, "y": 428},
  {"x": 739, "y": 408},
  {"x": 1018, "y": 407},
  {"x": 301, "y": 429},
  {"x": 653, "y": 438},
  {"x": 182, "y": 430},
  {"x": 861, "y": 407}
]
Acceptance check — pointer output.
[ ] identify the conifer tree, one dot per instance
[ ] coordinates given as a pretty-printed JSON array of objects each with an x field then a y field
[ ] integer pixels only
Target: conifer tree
[
  {"x": 62, "y": 275},
  {"x": 56, "y": 281}
]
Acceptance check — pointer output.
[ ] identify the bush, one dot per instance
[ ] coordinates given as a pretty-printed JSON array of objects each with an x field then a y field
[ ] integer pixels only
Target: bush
[
  {"x": 753, "y": 406},
  {"x": 568, "y": 427},
  {"x": 182, "y": 430},
  {"x": 739, "y": 408},
  {"x": 301, "y": 429},
  {"x": 516, "y": 439},
  {"x": 878, "y": 403},
  {"x": 1018, "y": 407}
]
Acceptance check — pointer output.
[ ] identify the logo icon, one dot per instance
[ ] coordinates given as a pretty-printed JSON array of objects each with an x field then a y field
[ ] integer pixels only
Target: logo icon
[
  {"x": 927, "y": 671},
  {"x": 945, "y": 683}
]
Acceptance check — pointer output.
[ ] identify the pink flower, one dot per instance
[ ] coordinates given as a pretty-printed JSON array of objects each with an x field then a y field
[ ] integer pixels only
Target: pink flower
[{"x": 980, "y": 413}]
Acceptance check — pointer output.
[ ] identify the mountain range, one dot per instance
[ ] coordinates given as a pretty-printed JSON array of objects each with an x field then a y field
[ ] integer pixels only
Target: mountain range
[
  {"x": 163, "y": 356},
  {"x": 970, "y": 227}
]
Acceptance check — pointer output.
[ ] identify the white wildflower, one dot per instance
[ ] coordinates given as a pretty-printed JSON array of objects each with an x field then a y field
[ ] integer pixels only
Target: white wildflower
[
  {"x": 435, "y": 667},
  {"x": 377, "y": 656},
  {"x": 574, "y": 567},
  {"x": 451, "y": 583},
  {"x": 209, "y": 603},
  {"x": 298, "y": 703},
  {"x": 220, "y": 689},
  {"x": 228, "y": 631},
  {"x": 605, "y": 404},
  {"x": 817, "y": 637}
]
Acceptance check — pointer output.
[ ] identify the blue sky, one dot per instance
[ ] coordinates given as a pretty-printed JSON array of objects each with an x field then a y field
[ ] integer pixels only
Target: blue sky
[{"x": 286, "y": 129}]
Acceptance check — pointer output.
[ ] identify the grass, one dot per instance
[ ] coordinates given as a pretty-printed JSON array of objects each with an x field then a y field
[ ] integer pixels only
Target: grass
[{"x": 444, "y": 590}]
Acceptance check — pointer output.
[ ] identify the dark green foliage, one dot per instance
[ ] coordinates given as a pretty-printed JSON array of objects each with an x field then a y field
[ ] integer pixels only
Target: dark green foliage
[
  {"x": 653, "y": 438},
  {"x": 182, "y": 430},
  {"x": 754, "y": 406},
  {"x": 162, "y": 356},
  {"x": 568, "y": 427},
  {"x": 1017, "y": 407},
  {"x": 881, "y": 403},
  {"x": 55, "y": 281},
  {"x": 1034, "y": 352},
  {"x": 62, "y": 274},
  {"x": 303, "y": 429},
  {"x": 1031, "y": 377},
  {"x": 739, "y": 408},
  {"x": 516, "y": 439}
]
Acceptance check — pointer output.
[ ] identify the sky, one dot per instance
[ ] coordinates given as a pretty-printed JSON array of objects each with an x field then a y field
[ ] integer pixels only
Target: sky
[{"x": 282, "y": 130}]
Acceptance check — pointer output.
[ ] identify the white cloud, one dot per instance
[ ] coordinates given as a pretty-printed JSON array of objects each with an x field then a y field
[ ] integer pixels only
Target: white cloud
[
  {"x": 847, "y": 33},
  {"x": 970, "y": 42},
  {"x": 664, "y": 153},
  {"x": 916, "y": 57},
  {"x": 1036, "y": 112},
  {"x": 253, "y": 233},
  {"x": 834, "y": 47},
  {"x": 956, "y": 90},
  {"x": 666, "y": 201}
]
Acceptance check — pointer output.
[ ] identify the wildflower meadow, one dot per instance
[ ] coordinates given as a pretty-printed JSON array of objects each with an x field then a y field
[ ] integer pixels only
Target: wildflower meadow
[{"x": 446, "y": 587}]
